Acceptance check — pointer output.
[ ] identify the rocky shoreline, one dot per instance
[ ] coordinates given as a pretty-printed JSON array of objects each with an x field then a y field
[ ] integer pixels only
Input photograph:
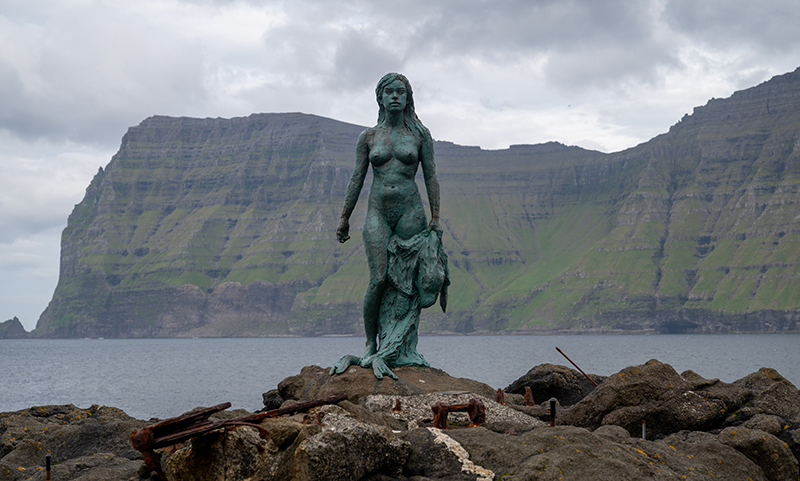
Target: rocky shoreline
[{"x": 694, "y": 428}]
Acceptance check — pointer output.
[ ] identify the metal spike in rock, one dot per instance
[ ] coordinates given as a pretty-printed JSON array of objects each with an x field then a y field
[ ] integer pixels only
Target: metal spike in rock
[
  {"x": 529, "y": 397},
  {"x": 500, "y": 397}
]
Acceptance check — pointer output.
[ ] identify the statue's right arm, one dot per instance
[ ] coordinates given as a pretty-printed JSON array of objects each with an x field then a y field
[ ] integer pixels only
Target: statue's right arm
[{"x": 354, "y": 187}]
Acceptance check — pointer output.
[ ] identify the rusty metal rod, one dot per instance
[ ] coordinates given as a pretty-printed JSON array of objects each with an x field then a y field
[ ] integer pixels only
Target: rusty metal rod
[
  {"x": 47, "y": 466},
  {"x": 295, "y": 408},
  {"x": 576, "y": 367}
]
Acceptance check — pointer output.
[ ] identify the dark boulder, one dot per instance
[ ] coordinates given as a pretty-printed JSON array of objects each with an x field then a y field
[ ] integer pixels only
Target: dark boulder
[
  {"x": 567, "y": 452},
  {"x": 774, "y": 395},
  {"x": 553, "y": 381},
  {"x": 654, "y": 393},
  {"x": 775, "y": 407},
  {"x": 84, "y": 443},
  {"x": 767, "y": 451},
  {"x": 272, "y": 399}
]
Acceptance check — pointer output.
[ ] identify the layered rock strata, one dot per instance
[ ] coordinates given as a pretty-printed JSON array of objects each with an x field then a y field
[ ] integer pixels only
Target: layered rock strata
[{"x": 224, "y": 227}]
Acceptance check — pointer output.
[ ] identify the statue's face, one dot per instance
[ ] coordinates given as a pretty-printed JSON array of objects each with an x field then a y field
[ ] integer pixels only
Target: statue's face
[{"x": 394, "y": 96}]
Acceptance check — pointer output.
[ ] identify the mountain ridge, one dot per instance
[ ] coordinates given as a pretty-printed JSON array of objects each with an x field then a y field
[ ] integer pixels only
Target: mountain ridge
[{"x": 224, "y": 227}]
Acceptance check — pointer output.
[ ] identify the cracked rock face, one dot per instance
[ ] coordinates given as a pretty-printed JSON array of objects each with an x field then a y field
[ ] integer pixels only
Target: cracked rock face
[{"x": 347, "y": 449}]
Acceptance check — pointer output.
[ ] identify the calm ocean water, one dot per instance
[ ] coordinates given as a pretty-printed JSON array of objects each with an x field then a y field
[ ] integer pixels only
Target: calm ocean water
[{"x": 166, "y": 377}]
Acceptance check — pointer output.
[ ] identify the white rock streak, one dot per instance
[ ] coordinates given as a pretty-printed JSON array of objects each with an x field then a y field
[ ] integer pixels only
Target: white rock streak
[{"x": 455, "y": 447}]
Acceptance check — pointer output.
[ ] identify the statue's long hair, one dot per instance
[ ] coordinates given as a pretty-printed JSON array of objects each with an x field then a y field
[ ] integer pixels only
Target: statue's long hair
[{"x": 410, "y": 119}]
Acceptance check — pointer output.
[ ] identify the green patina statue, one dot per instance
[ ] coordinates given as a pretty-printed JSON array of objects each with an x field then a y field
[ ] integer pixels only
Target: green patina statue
[{"x": 407, "y": 264}]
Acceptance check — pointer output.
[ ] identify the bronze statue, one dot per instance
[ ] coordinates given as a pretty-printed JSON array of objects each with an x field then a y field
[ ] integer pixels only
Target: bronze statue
[{"x": 407, "y": 264}]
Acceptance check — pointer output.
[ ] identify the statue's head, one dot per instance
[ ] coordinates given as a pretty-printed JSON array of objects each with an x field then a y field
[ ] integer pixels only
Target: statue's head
[{"x": 409, "y": 115}]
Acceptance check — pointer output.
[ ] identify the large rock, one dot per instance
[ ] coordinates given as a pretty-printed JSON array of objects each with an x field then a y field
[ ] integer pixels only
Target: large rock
[
  {"x": 553, "y": 381},
  {"x": 657, "y": 395},
  {"x": 315, "y": 382},
  {"x": 567, "y": 452},
  {"x": 230, "y": 455},
  {"x": 769, "y": 452},
  {"x": 87, "y": 444},
  {"x": 774, "y": 395},
  {"x": 431, "y": 459},
  {"x": 348, "y": 449},
  {"x": 774, "y": 409},
  {"x": 341, "y": 448}
]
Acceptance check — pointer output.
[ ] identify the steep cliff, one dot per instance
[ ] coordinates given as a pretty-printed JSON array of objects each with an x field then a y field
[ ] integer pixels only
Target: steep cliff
[{"x": 224, "y": 227}]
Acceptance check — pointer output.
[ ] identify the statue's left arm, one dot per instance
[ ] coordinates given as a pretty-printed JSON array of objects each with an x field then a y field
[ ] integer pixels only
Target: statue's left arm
[{"x": 431, "y": 182}]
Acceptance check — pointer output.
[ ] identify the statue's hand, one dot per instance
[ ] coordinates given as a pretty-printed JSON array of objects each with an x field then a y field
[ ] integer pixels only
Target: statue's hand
[
  {"x": 380, "y": 369},
  {"x": 434, "y": 225},
  {"x": 343, "y": 230},
  {"x": 343, "y": 363}
]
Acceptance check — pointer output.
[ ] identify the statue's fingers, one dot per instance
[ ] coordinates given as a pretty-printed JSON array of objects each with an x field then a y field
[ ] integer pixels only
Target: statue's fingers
[
  {"x": 343, "y": 363},
  {"x": 380, "y": 369}
]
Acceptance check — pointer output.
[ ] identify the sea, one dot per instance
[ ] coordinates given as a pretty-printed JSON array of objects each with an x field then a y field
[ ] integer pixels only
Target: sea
[{"x": 162, "y": 378}]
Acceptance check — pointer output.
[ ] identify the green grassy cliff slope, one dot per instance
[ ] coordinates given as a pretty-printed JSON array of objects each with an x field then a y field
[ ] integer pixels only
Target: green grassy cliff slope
[{"x": 224, "y": 227}]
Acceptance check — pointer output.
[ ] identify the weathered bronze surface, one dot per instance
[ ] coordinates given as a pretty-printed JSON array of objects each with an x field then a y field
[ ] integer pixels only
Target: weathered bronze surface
[{"x": 407, "y": 264}]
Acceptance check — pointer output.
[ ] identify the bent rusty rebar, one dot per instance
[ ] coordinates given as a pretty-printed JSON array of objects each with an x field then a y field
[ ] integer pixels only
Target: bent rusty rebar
[
  {"x": 474, "y": 408},
  {"x": 182, "y": 428}
]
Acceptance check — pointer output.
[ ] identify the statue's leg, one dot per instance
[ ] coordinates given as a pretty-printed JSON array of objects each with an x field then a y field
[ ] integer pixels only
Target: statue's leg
[
  {"x": 376, "y": 237},
  {"x": 413, "y": 220}
]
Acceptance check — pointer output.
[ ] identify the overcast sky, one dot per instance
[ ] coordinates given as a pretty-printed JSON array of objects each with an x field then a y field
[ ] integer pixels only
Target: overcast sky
[{"x": 604, "y": 75}]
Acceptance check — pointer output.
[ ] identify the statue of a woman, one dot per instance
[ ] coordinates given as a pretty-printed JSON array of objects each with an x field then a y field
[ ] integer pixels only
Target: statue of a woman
[{"x": 407, "y": 265}]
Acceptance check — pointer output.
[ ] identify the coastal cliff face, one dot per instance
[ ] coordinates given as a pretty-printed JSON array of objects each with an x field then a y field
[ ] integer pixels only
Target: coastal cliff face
[{"x": 225, "y": 227}]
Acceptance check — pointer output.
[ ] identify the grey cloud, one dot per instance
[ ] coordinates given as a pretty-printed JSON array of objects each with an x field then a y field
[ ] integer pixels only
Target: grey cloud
[
  {"x": 94, "y": 74},
  {"x": 769, "y": 26},
  {"x": 359, "y": 61},
  {"x": 589, "y": 43}
]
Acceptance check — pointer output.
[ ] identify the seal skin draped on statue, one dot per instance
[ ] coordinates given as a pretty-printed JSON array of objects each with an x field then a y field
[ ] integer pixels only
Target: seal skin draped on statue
[{"x": 407, "y": 263}]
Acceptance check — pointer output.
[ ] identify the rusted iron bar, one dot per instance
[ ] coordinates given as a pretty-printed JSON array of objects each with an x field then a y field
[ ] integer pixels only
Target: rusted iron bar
[
  {"x": 500, "y": 397},
  {"x": 398, "y": 408},
  {"x": 47, "y": 466},
  {"x": 295, "y": 408},
  {"x": 552, "y": 412},
  {"x": 474, "y": 409},
  {"x": 576, "y": 367},
  {"x": 529, "y": 396},
  {"x": 182, "y": 428}
]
